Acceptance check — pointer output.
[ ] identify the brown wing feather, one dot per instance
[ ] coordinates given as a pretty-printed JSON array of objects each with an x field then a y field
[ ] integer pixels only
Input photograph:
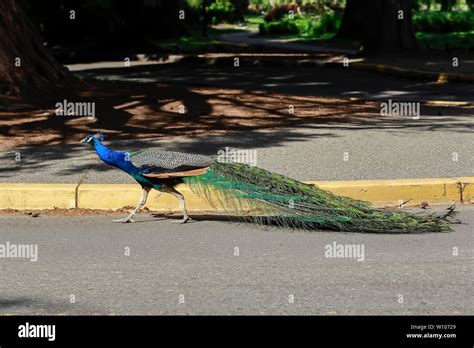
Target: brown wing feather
[{"x": 193, "y": 172}]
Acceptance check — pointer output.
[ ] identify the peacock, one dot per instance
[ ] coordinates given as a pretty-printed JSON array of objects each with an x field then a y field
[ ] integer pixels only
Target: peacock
[{"x": 259, "y": 196}]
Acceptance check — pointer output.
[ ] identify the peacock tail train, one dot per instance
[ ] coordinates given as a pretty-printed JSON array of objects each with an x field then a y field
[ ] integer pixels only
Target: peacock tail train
[{"x": 276, "y": 199}]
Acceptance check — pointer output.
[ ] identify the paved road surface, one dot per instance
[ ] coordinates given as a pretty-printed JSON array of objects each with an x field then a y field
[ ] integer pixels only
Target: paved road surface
[
  {"x": 298, "y": 80},
  {"x": 84, "y": 257},
  {"x": 250, "y": 37}
]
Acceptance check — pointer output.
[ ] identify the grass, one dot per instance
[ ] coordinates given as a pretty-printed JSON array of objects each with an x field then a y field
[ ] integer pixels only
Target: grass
[
  {"x": 253, "y": 20},
  {"x": 442, "y": 41},
  {"x": 305, "y": 38},
  {"x": 196, "y": 43},
  {"x": 189, "y": 42}
]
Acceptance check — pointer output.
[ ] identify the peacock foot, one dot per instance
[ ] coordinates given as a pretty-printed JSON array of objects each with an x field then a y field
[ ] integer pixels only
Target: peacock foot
[
  {"x": 182, "y": 221},
  {"x": 125, "y": 220}
]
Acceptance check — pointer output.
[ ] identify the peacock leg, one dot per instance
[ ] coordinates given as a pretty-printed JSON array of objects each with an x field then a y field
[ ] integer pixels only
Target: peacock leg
[
  {"x": 182, "y": 204},
  {"x": 142, "y": 202}
]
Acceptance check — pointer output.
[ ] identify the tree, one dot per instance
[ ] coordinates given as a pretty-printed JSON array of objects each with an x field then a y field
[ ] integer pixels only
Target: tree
[
  {"x": 446, "y": 5},
  {"x": 128, "y": 26},
  {"x": 241, "y": 8},
  {"x": 166, "y": 18},
  {"x": 380, "y": 25},
  {"x": 351, "y": 20},
  {"x": 26, "y": 66}
]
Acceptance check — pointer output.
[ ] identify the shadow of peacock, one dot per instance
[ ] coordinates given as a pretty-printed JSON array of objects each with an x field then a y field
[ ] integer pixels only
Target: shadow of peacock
[{"x": 260, "y": 196}]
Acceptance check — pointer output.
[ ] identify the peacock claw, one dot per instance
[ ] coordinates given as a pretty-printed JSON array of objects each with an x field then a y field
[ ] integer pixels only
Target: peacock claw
[
  {"x": 182, "y": 221},
  {"x": 125, "y": 220}
]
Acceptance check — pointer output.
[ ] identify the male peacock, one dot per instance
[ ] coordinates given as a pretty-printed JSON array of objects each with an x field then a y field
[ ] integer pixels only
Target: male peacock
[{"x": 260, "y": 196}]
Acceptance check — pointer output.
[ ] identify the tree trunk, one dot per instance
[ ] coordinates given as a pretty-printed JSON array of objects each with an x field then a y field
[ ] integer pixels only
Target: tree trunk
[
  {"x": 168, "y": 17},
  {"x": 241, "y": 8},
  {"x": 381, "y": 25},
  {"x": 351, "y": 20},
  {"x": 26, "y": 67},
  {"x": 446, "y": 5}
]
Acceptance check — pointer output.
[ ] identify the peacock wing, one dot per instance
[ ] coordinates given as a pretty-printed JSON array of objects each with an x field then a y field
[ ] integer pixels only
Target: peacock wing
[{"x": 159, "y": 163}]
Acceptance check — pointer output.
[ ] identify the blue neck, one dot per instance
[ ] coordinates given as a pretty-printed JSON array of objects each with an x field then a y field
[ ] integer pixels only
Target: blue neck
[{"x": 113, "y": 158}]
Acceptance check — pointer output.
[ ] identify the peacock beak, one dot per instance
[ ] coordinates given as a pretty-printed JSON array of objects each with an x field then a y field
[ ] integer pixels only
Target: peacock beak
[{"x": 83, "y": 141}]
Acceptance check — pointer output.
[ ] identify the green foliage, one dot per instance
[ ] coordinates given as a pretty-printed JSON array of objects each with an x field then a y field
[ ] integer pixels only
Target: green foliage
[
  {"x": 443, "y": 22},
  {"x": 328, "y": 23},
  {"x": 285, "y": 26},
  {"x": 437, "y": 5},
  {"x": 194, "y": 5},
  {"x": 308, "y": 26},
  {"x": 443, "y": 41},
  {"x": 221, "y": 11},
  {"x": 260, "y": 5},
  {"x": 308, "y": 6},
  {"x": 277, "y": 13}
]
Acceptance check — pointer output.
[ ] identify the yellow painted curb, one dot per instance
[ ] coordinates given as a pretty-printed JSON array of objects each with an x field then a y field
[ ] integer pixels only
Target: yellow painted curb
[
  {"x": 394, "y": 192},
  {"x": 414, "y": 73},
  {"x": 378, "y": 192},
  {"x": 112, "y": 196},
  {"x": 37, "y": 196}
]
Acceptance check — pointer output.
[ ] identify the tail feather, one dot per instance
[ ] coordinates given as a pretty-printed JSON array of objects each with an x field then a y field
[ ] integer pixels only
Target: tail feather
[{"x": 268, "y": 198}]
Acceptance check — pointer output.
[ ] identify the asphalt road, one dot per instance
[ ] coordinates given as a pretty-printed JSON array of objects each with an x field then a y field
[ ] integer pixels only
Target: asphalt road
[
  {"x": 194, "y": 269},
  {"x": 251, "y": 37},
  {"x": 301, "y": 81}
]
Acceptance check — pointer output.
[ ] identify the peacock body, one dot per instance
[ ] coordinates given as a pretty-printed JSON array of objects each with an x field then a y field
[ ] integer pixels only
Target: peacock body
[{"x": 260, "y": 196}]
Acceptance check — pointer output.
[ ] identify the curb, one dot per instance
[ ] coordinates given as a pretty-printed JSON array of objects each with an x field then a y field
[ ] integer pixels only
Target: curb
[
  {"x": 400, "y": 191},
  {"x": 441, "y": 77},
  {"x": 37, "y": 196},
  {"x": 113, "y": 196}
]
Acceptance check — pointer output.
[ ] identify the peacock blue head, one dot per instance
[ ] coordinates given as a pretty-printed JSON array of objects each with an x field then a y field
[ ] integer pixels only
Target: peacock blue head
[{"x": 92, "y": 139}]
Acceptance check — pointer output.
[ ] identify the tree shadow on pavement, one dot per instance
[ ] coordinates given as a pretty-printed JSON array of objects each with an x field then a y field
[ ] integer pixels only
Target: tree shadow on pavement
[{"x": 212, "y": 107}]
